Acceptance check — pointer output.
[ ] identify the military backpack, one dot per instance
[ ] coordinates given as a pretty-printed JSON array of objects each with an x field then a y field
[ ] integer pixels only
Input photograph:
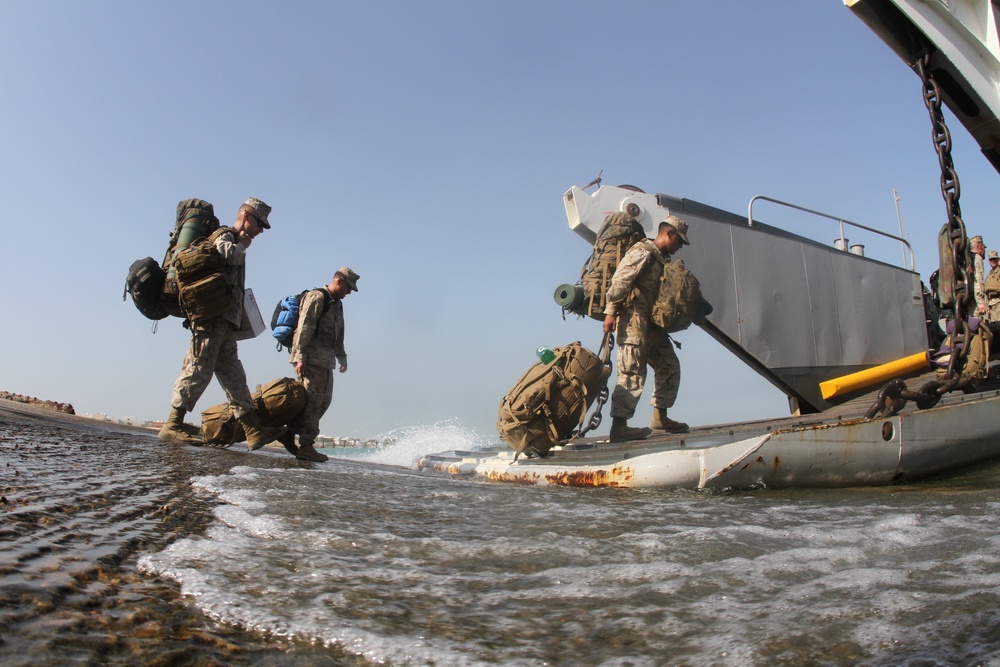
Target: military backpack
[
  {"x": 145, "y": 284},
  {"x": 153, "y": 286},
  {"x": 551, "y": 400},
  {"x": 205, "y": 289},
  {"x": 285, "y": 318},
  {"x": 976, "y": 366},
  {"x": 195, "y": 220},
  {"x": 678, "y": 303},
  {"x": 619, "y": 232},
  {"x": 277, "y": 403}
]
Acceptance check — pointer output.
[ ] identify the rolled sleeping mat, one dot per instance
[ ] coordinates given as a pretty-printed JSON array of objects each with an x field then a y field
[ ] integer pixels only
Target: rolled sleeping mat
[{"x": 570, "y": 297}]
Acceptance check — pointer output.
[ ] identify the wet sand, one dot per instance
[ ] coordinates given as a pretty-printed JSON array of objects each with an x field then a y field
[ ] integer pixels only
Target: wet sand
[{"x": 80, "y": 501}]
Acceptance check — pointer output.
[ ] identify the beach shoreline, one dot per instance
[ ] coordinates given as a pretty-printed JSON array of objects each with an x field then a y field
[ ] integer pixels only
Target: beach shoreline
[
  {"x": 37, "y": 402},
  {"x": 81, "y": 500}
]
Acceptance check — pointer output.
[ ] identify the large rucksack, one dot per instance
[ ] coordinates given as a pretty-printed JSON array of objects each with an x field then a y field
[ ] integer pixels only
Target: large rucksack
[
  {"x": 551, "y": 400},
  {"x": 285, "y": 318},
  {"x": 277, "y": 402},
  {"x": 153, "y": 286},
  {"x": 204, "y": 287},
  {"x": 976, "y": 367},
  {"x": 619, "y": 232},
  {"x": 195, "y": 220},
  {"x": 679, "y": 301}
]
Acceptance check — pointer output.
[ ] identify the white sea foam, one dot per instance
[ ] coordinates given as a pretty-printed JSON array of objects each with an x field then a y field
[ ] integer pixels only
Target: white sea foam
[{"x": 403, "y": 446}]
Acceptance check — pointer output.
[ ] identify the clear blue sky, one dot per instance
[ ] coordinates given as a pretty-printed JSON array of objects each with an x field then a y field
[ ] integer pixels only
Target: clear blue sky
[{"x": 426, "y": 145}]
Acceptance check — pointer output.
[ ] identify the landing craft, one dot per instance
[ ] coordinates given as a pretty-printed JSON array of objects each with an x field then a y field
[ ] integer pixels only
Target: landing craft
[{"x": 846, "y": 338}]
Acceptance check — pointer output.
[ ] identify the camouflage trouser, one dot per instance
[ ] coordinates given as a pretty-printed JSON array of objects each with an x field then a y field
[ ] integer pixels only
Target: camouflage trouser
[
  {"x": 639, "y": 344},
  {"x": 318, "y": 381},
  {"x": 212, "y": 352}
]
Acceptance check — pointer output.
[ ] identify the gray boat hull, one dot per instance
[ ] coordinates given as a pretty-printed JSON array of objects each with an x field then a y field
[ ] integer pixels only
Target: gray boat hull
[{"x": 822, "y": 451}]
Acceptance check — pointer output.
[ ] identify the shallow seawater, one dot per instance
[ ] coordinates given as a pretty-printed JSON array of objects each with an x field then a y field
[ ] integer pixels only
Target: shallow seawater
[
  {"x": 404, "y": 568},
  {"x": 364, "y": 560}
]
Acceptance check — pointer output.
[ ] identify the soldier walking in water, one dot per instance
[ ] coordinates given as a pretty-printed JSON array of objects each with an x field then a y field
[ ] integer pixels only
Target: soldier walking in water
[
  {"x": 317, "y": 347},
  {"x": 213, "y": 347}
]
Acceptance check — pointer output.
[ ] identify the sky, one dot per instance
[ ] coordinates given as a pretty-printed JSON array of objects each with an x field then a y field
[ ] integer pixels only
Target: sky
[{"x": 427, "y": 146}]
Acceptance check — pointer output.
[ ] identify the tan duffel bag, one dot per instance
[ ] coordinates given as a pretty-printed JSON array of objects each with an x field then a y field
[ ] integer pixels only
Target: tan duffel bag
[{"x": 277, "y": 402}]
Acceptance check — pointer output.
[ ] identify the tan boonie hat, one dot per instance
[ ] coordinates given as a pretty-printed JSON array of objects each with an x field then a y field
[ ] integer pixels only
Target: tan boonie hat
[
  {"x": 350, "y": 276},
  {"x": 680, "y": 226},
  {"x": 260, "y": 211},
  {"x": 993, "y": 255},
  {"x": 976, "y": 239}
]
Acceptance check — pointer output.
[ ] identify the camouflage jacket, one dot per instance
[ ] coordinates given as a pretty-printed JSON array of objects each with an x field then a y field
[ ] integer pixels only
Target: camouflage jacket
[
  {"x": 636, "y": 282},
  {"x": 234, "y": 257},
  {"x": 319, "y": 336},
  {"x": 980, "y": 277}
]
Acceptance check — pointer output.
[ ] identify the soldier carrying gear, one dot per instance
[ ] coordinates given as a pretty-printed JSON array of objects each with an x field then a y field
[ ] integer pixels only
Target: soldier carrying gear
[
  {"x": 634, "y": 292},
  {"x": 317, "y": 347},
  {"x": 213, "y": 349}
]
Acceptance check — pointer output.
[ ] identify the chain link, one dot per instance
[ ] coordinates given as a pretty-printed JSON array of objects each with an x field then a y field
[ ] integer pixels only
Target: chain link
[{"x": 595, "y": 419}]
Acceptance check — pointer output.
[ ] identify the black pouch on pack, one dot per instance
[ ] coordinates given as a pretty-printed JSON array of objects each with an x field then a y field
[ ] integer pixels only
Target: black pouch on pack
[{"x": 145, "y": 284}]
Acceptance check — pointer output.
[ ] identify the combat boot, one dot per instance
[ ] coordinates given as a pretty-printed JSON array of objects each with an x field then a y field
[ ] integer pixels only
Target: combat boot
[
  {"x": 308, "y": 453},
  {"x": 287, "y": 439},
  {"x": 660, "y": 422},
  {"x": 258, "y": 435},
  {"x": 175, "y": 430},
  {"x": 622, "y": 432}
]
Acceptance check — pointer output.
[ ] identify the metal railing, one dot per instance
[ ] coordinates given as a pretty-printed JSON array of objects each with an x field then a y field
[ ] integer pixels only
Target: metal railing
[{"x": 841, "y": 221}]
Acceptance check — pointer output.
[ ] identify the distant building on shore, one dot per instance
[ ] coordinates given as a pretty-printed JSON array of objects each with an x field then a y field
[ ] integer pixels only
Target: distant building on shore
[
  {"x": 128, "y": 421},
  {"x": 335, "y": 441}
]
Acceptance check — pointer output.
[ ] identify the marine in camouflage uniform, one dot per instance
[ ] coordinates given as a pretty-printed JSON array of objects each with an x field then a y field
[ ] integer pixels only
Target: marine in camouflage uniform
[
  {"x": 213, "y": 348},
  {"x": 979, "y": 286},
  {"x": 992, "y": 287},
  {"x": 634, "y": 289},
  {"x": 317, "y": 347}
]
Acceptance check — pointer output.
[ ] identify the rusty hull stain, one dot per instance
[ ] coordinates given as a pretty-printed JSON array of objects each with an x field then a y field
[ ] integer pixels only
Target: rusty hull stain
[
  {"x": 525, "y": 477},
  {"x": 821, "y": 427},
  {"x": 618, "y": 476}
]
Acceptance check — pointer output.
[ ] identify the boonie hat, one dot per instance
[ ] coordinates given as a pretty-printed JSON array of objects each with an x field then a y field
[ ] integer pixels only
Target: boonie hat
[
  {"x": 680, "y": 226},
  {"x": 992, "y": 254},
  {"x": 260, "y": 211},
  {"x": 976, "y": 239},
  {"x": 350, "y": 276}
]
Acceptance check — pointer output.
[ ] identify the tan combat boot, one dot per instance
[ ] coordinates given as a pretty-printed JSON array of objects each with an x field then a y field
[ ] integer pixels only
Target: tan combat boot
[
  {"x": 287, "y": 439},
  {"x": 257, "y": 435},
  {"x": 308, "y": 453},
  {"x": 622, "y": 432},
  {"x": 175, "y": 430},
  {"x": 660, "y": 422}
]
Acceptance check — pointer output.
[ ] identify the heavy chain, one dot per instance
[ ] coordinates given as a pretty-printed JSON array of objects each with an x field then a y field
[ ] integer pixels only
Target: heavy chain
[
  {"x": 961, "y": 287},
  {"x": 595, "y": 419},
  {"x": 958, "y": 293}
]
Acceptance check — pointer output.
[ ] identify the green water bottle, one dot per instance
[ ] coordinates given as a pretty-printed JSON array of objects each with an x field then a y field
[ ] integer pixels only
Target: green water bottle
[{"x": 545, "y": 354}]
